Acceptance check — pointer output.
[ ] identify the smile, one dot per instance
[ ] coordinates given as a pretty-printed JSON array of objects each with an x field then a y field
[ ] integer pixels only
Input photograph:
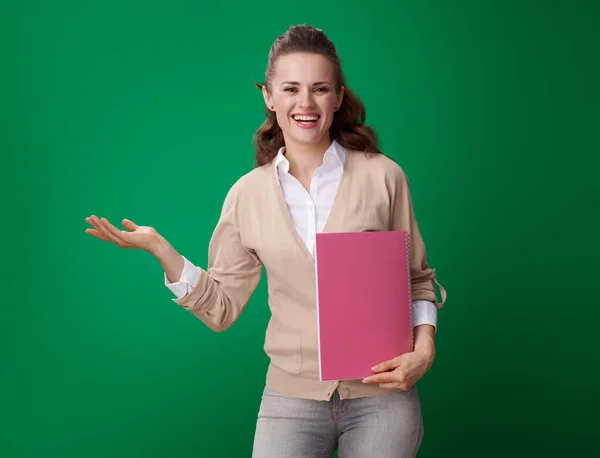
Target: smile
[{"x": 306, "y": 121}]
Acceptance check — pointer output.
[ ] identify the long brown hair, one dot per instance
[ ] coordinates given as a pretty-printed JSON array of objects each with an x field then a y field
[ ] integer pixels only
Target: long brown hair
[{"x": 348, "y": 127}]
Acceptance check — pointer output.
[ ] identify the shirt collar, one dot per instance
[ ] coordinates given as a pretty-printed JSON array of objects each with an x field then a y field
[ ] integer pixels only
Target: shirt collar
[{"x": 334, "y": 157}]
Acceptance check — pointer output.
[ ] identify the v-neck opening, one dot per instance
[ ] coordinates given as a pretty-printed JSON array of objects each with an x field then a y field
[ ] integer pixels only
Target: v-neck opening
[{"x": 339, "y": 195}]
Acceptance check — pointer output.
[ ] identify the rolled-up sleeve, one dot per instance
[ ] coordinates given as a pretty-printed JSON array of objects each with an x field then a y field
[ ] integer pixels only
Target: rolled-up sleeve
[{"x": 423, "y": 277}]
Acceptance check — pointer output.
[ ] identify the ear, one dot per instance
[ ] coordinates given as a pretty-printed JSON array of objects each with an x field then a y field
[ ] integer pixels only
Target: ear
[
  {"x": 341, "y": 96},
  {"x": 267, "y": 97}
]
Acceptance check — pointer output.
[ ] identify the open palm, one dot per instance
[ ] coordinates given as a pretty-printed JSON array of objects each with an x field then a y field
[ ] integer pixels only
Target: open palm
[{"x": 140, "y": 237}]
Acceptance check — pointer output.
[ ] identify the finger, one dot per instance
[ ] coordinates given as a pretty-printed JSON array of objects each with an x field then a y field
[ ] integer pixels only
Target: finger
[
  {"x": 390, "y": 386},
  {"x": 388, "y": 365},
  {"x": 129, "y": 225},
  {"x": 98, "y": 231},
  {"x": 384, "y": 377},
  {"x": 94, "y": 233},
  {"x": 113, "y": 232},
  {"x": 394, "y": 386},
  {"x": 103, "y": 229}
]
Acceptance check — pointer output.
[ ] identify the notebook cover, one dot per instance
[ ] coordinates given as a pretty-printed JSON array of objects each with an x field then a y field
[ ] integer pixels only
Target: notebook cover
[{"x": 364, "y": 305}]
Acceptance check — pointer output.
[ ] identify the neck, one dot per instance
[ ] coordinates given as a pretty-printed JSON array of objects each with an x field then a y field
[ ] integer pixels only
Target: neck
[{"x": 305, "y": 159}]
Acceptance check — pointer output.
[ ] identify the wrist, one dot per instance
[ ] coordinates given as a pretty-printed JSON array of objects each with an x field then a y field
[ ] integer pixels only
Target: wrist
[
  {"x": 424, "y": 341},
  {"x": 159, "y": 248},
  {"x": 427, "y": 351}
]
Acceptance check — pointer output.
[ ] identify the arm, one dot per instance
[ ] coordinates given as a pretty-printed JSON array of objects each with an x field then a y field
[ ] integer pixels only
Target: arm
[
  {"x": 424, "y": 313},
  {"x": 219, "y": 294},
  {"x": 423, "y": 277},
  {"x": 170, "y": 260},
  {"x": 189, "y": 278},
  {"x": 402, "y": 372},
  {"x": 425, "y": 342}
]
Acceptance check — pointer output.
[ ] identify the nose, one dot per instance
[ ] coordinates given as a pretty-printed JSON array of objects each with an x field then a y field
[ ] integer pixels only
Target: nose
[{"x": 306, "y": 99}]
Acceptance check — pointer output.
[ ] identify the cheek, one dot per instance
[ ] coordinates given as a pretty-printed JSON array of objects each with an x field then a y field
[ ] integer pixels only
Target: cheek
[
  {"x": 282, "y": 118},
  {"x": 282, "y": 107},
  {"x": 330, "y": 101},
  {"x": 328, "y": 107}
]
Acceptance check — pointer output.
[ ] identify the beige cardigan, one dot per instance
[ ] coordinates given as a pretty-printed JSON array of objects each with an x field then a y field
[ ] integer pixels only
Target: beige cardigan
[{"x": 255, "y": 229}]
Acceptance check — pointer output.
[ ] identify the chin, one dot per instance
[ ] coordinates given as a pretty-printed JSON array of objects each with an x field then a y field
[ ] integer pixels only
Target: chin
[
  {"x": 310, "y": 141},
  {"x": 309, "y": 138}
]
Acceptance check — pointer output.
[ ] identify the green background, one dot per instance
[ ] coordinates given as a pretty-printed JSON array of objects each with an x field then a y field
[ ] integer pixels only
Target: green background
[{"x": 146, "y": 110}]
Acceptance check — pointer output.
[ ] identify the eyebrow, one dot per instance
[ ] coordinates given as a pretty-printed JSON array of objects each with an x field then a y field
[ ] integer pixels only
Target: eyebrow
[{"x": 295, "y": 83}]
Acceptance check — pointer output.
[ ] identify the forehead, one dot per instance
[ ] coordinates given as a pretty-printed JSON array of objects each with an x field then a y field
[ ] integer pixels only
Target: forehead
[{"x": 303, "y": 67}]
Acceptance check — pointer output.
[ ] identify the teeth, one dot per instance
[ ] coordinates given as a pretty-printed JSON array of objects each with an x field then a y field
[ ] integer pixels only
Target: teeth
[{"x": 306, "y": 118}]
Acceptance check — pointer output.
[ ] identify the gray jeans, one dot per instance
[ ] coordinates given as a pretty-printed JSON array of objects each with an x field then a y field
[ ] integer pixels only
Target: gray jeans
[{"x": 388, "y": 426}]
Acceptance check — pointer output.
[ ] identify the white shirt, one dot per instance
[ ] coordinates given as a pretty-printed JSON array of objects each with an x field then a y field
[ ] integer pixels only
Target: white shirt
[{"x": 309, "y": 212}]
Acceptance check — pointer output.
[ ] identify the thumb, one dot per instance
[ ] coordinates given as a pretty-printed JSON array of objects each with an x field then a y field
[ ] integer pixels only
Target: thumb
[
  {"x": 129, "y": 225},
  {"x": 388, "y": 365}
]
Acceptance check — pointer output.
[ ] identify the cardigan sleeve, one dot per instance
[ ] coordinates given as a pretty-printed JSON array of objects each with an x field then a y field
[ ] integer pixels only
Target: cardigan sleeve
[
  {"x": 233, "y": 273},
  {"x": 423, "y": 277}
]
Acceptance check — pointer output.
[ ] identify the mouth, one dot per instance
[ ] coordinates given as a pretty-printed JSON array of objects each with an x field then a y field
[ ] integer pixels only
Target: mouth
[{"x": 306, "y": 121}]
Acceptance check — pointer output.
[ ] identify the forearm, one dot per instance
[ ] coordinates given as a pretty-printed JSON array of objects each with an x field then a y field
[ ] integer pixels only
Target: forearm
[
  {"x": 170, "y": 260},
  {"x": 425, "y": 340}
]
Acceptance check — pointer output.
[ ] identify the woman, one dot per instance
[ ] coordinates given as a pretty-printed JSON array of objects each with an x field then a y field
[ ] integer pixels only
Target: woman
[{"x": 318, "y": 169}]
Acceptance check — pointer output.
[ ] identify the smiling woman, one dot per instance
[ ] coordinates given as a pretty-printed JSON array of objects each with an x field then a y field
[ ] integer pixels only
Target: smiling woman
[
  {"x": 304, "y": 96},
  {"x": 304, "y": 77},
  {"x": 318, "y": 169}
]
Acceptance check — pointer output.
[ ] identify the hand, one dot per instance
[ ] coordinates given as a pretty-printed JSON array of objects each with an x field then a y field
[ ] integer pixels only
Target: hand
[
  {"x": 402, "y": 372},
  {"x": 140, "y": 237}
]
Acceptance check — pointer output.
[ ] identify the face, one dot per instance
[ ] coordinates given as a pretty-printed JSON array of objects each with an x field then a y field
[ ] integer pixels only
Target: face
[{"x": 304, "y": 99}]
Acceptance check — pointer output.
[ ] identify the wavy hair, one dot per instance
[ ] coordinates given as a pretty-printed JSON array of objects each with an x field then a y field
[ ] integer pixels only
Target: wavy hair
[{"x": 348, "y": 127}]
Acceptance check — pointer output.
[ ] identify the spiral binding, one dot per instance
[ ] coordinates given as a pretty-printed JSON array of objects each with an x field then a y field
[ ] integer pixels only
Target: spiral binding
[{"x": 410, "y": 311}]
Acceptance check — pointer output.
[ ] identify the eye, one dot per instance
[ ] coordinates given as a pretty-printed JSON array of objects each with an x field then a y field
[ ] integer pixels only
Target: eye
[
  {"x": 290, "y": 89},
  {"x": 322, "y": 89}
]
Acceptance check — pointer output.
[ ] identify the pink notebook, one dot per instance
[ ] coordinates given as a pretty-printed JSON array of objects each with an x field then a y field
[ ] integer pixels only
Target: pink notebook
[{"x": 364, "y": 304}]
